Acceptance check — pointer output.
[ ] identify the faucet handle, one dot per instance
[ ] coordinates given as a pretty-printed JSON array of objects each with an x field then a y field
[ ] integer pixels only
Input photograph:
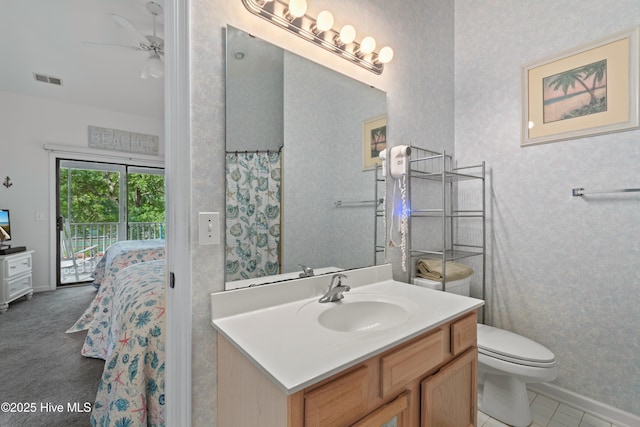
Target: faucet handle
[
  {"x": 306, "y": 271},
  {"x": 336, "y": 279},
  {"x": 335, "y": 289}
]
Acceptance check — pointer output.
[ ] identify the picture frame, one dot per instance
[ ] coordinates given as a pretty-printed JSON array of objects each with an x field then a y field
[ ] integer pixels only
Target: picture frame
[
  {"x": 374, "y": 140},
  {"x": 589, "y": 90}
]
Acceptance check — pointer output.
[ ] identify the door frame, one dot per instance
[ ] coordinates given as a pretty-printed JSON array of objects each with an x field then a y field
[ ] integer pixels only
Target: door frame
[
  {"x": 177, "y": 148},
  {"x": 62, "y": 152},
  {"x": 124, "y": 170},
  {"x": 177, "y": 110},
  {"x": 119, "y": 168}
]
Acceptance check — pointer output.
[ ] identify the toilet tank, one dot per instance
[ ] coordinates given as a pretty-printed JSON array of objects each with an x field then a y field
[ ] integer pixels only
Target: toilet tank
[{"x": 460, "y": 287}]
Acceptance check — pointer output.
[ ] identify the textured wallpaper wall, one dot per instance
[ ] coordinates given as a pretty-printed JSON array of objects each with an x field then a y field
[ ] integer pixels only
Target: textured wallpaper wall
[
  {"x": 254, "y": 93},
  {"x": 324, "y": 113},
  {"x": 419, "y": 84},
  {"x": 563, "y": 270}
]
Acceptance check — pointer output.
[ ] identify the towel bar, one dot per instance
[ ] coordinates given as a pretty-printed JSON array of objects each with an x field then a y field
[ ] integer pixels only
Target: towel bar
[
  {"x": 581, "y": 192},
  {"x": 341, "y": 204}
]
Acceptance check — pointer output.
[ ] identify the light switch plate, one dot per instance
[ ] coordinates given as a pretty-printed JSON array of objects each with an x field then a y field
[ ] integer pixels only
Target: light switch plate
[{"x": 209, "y": 228}]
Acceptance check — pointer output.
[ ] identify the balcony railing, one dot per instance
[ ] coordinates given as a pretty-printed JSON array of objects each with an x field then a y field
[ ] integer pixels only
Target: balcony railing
[
  {"x": 104, "y": 234},
  {"x": 90, "y": 240}
]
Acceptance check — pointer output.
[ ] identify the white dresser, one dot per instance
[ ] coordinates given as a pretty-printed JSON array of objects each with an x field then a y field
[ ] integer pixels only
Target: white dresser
[{"x": 15, "y": 278}]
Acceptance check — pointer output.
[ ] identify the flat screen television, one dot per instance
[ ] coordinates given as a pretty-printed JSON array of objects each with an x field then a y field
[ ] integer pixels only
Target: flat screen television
[{"x": 5, "y": 227}]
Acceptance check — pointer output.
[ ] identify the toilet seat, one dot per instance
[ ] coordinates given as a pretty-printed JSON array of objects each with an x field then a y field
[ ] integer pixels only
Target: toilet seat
[{"x": 514, "y": 348}]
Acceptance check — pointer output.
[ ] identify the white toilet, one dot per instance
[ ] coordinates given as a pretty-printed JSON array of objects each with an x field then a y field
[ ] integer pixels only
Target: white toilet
[{"x": 506, "y": 363}]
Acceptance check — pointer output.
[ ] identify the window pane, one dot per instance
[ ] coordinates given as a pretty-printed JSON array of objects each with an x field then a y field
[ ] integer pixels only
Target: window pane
[{"x": 145, "y": 206}]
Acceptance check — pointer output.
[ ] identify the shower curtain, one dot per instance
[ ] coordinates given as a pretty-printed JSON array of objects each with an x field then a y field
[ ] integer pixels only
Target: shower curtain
[{"x": 253, "y": 214}]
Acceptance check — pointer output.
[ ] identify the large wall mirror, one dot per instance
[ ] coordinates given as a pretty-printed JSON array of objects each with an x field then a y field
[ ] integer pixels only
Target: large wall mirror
[{"x": 294, "y": 141}]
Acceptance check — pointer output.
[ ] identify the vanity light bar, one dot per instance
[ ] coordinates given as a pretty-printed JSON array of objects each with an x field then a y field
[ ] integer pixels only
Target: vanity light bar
[{"x": 278, "y": 12}]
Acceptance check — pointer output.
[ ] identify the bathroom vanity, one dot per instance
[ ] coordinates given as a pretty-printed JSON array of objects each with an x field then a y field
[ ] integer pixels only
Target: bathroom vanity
[{"x": 387, "y": 351}]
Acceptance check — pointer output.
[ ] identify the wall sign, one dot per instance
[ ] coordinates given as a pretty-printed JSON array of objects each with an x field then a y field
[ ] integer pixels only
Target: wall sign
[{"x": 122, "y": 140}]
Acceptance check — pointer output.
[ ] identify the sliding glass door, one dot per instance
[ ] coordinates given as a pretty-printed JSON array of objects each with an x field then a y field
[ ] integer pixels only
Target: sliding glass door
[{"x": 99, "y": 204}]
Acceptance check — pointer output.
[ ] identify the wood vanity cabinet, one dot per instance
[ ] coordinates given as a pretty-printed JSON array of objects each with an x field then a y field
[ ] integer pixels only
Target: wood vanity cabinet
[{"x": 429, "y": 381}]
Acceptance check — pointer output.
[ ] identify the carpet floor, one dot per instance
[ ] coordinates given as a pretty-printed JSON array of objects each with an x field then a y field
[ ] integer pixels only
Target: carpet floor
[{"x": 43, "y": 377}]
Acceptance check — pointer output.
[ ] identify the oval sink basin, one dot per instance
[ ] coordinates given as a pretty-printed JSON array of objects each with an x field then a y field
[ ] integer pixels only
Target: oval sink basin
[{"x": 362, "y": 316}]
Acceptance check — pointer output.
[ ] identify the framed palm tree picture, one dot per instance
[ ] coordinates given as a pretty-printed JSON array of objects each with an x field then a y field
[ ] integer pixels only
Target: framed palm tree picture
[
  {"x": 590, "y": 90},
  {"x": 374, "y": 140}
]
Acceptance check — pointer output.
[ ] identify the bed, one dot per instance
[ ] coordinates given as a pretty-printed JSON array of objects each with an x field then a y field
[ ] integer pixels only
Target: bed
[
  {"x": 97, "y": 317},
  {"x": 132, "y": 386}
]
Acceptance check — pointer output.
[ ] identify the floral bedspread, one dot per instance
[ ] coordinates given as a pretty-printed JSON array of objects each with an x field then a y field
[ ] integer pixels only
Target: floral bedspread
[
  {"x": 132, "y": 387},
  {"x": 117, "y": 255},
  {"x": 96, "y": 317}
]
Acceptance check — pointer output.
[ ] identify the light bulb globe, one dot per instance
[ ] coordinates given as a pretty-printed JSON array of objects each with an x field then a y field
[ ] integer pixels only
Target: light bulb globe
[
  {"x": 324, "y": 21},
  {"x": 385, "y": 55},
  {"x": 298, "y": 8},
  {"x": 155, "y": 67},
  {"x": 367, "y": 45},
  {"x": 347, "y": 34}
]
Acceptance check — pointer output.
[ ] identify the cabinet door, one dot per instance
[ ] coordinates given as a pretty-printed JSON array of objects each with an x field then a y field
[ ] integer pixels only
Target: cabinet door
[
  {"x": 413, "y": 361},
  {"x": 464, "y": 334},
  {"x": 338, "y": 403},
  {"x": 393, "y": 414},
  {"x": 449, "y": 398}
]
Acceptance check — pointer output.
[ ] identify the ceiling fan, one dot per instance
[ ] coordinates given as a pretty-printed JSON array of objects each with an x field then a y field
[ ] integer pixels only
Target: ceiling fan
[{"x": 151, "y": 44}]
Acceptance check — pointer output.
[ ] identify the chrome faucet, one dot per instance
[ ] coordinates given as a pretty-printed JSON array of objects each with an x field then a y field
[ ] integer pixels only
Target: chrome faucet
[
  {"x": 306, "y": 271},
  {"x": 335, "y": 289}
]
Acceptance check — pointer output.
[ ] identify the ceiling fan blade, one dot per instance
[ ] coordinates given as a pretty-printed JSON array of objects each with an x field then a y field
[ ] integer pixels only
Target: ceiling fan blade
[
  {"x": 121, "y": 46},
  {"x": 127, "y": 25}
]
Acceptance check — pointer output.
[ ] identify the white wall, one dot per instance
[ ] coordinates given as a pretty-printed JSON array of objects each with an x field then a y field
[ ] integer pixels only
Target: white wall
[
  {"x": 419, "y": 86},
  {"x": 563, "y": 270},
  {"x": 27, "y": 123}
]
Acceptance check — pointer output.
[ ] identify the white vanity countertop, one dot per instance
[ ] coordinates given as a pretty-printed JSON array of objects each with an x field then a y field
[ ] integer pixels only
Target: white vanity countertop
[{"x": 276, "y": 326}]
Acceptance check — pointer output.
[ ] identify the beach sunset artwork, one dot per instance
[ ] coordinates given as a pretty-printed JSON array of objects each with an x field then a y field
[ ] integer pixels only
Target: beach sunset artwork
[
  {"x": 374, "y": 140},
  {"x": 589, "y": 90},
  {"x": 575, "y": 93},
  {"x": 378, "y": 140}
]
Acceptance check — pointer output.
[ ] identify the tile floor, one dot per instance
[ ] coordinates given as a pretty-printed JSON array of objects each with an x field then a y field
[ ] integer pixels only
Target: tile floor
[{"x": 547, "y": 412}]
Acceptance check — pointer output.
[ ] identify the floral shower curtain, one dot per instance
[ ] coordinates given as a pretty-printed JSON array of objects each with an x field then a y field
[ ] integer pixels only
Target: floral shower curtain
[{"x": 253, "y": 214}]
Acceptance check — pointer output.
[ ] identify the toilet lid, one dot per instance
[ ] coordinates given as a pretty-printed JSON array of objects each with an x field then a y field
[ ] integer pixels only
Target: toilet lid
[{"x": 512, "y": 347}]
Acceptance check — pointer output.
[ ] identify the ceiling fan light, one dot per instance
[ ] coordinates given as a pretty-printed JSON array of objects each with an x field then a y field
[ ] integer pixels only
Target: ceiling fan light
[
  {"x": 145, "y": 71},
  {"x": 153, "y": 67}
]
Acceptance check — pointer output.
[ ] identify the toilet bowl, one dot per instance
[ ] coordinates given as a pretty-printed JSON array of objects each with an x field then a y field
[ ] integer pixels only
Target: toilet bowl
[{"x": 506, "y": 363}]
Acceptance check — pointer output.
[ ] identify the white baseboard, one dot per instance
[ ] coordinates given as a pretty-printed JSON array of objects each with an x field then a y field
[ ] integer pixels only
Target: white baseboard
[{"x": 586, "y": 404}]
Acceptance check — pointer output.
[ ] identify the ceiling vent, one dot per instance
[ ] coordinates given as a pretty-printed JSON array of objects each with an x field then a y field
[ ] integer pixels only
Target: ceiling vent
[{"x": 47, "y": 79}]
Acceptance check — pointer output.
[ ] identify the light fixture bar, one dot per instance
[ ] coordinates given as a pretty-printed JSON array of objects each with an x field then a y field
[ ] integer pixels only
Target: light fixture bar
[{"x": 274, "y": 12}]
